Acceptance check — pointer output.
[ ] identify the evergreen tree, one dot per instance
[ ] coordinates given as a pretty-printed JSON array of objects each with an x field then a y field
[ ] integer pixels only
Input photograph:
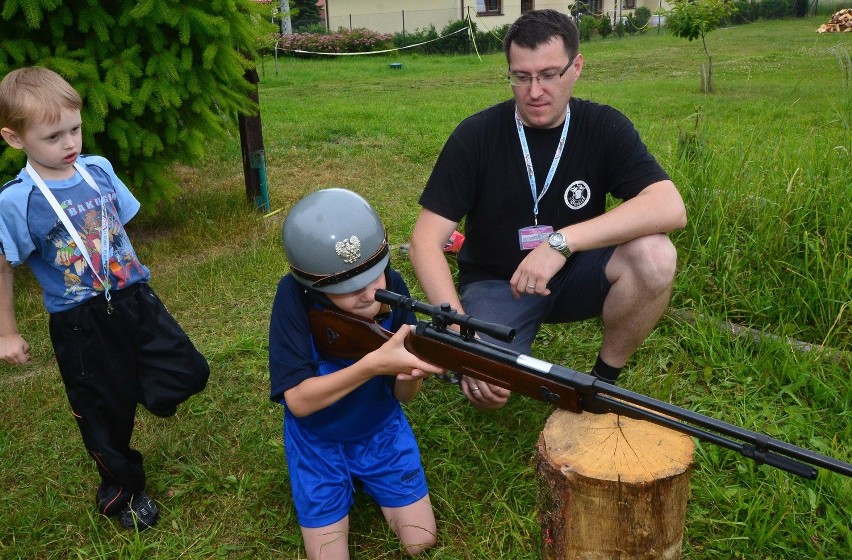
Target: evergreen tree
[
  {"x": 158, "y": 78},
  {"x": 306, "y": 14}
]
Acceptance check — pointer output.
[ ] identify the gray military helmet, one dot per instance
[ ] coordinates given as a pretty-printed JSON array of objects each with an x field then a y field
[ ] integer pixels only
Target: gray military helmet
[{"x": 335, "y": 242}]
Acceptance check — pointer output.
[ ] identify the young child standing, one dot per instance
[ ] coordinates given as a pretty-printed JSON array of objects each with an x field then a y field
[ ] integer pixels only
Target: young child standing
[
  {"x": 115, "y": 343},
  {"x": 343, "y": 420}
]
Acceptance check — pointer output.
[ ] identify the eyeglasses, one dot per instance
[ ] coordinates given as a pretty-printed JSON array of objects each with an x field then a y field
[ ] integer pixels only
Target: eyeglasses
[{"x": 544, "y": 79}]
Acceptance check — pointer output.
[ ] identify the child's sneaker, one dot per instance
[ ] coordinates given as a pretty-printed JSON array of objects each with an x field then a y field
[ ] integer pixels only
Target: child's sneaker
[
  {"x": 164, "y": 412},
  {"x": 140, "y": 513}
]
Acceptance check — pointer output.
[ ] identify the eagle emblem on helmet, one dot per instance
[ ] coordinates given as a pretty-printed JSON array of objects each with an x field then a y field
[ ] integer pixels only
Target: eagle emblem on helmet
[{"x": 349, "y": 250}]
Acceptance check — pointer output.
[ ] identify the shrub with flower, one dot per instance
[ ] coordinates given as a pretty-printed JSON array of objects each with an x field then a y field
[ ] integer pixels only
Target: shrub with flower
[{"x": 342, "y": 41}]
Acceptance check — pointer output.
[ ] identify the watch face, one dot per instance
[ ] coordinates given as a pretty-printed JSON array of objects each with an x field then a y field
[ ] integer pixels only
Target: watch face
[{"x": 555, "y": 239}]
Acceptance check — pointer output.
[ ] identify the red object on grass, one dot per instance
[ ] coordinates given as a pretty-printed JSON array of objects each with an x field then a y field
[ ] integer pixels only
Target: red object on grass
[{"x": 454, "y": 243}]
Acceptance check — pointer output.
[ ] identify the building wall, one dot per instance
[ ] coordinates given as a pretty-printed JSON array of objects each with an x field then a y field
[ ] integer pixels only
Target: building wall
[{"x": 393, "y": 16}]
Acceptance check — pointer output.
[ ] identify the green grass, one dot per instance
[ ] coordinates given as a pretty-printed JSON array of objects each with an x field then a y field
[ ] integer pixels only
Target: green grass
[{"x": 764, "y": 166}]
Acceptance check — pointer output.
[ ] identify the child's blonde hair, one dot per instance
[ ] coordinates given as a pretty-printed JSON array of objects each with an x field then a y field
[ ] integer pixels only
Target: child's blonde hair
[{"x": 34, "y": 95}]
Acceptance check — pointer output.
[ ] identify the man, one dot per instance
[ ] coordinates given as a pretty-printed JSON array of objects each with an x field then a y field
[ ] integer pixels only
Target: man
[{"x": 530, "y": 177}]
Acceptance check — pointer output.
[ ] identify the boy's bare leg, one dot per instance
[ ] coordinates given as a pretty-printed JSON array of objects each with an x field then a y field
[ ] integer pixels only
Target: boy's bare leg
[
  {"x": 327, "y": 543},
  {"x": 414, "y": 525}
]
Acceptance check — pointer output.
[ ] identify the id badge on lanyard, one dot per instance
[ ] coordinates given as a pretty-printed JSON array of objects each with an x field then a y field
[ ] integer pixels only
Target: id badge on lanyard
[{"x": 530, "y": 237}]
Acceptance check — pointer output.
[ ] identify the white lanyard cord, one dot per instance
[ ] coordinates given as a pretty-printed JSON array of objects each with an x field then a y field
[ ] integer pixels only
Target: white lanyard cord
[
  {"x": 528, "y": 159},
  {"x": 63, "y": 217}
]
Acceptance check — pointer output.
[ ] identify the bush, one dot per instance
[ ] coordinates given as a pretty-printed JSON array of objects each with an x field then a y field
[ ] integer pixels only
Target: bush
[
  {"x": 458, "y": 43},
  {"x": 747, "y": 11},
  {"x": 343, "y": 41},
  {"x": 417, "y": 36},
  {"x": 641, "y": 17},
  {"x": 588, "y": 25},
  {"x": 489, "y": 42},
  {"x": 318, "y": 28},
  {"x": 604, "y": 27},
  {"x": 776, "y": 9},
  {"x": 486, "y": 42}
]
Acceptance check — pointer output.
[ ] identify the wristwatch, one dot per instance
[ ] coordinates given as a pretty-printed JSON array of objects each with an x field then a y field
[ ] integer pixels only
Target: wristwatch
[{"x": 557, "y": 241}]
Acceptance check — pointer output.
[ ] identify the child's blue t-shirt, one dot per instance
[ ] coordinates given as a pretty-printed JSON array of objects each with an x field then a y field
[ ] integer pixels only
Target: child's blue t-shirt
[
  {"x": 31, "y": 233},
  {"x": 294, "y": 358}
]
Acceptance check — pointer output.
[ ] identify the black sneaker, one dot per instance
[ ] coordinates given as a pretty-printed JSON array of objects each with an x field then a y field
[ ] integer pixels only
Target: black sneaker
[
  {"x": 164, "y": 412},
  {"x": 140, "y": 513}
]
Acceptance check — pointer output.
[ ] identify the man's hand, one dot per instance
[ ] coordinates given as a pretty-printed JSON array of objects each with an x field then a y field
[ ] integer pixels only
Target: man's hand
[
  {"x": 14, "y": 349},
  {"x": 536, "y": 270},
  {"x": 482, "y": 395}
]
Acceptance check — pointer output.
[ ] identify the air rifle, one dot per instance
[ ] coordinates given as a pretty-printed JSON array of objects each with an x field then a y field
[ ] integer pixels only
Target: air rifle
[{"x": 349, "y": 336}]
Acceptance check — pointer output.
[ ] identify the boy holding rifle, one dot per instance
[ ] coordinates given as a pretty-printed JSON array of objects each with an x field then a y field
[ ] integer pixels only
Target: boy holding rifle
[{"x": 343, "y": 419}]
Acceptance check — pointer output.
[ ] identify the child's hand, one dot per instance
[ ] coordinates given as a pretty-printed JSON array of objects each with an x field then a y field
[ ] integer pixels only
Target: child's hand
[
  {"x": 14, "y": 349},
  {"x": 397, "y": 360},
  {"x": 415, "y": 375}
]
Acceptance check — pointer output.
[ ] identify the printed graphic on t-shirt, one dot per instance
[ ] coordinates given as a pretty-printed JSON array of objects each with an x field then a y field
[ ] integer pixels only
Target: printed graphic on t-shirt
[
  {"x": 577, "y": 195},
  {"x": 86, "y": 218}
]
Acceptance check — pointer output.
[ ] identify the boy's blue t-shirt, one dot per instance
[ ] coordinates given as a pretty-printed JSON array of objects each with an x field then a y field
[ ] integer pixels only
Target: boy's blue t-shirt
[
  {"x": 294, "y": 358},
  {"x": 31, "y": 233}
]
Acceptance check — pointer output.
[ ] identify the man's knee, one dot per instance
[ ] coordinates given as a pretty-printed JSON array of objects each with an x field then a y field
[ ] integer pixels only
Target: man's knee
[
  {"x": 652, "y": 260},
  {"x": 663, "y": 258}
]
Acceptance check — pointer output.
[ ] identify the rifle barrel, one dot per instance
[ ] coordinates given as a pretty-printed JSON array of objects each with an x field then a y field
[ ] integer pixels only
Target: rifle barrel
[{"x": 759, "y": 445}]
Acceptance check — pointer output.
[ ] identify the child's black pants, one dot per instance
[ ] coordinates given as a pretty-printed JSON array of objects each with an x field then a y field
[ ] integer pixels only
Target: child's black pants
[{"x": 112, "y": 359}]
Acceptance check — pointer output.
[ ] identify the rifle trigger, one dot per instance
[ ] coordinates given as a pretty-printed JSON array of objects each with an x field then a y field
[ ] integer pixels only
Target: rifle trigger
[
  {"x": 331, "y": 335},
  {"x": 549, "y": 396}
]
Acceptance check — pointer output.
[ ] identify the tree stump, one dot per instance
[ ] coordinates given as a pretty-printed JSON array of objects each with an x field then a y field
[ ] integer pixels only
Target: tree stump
[{"x": 611, "y": 488}]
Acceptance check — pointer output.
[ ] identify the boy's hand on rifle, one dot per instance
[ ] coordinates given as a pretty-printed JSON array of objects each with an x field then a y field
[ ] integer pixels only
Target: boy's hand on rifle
[
  {"x": 14, "y": 349},
  {"x": 482, "y": 395},
  {"x": 395, "y": 359}
]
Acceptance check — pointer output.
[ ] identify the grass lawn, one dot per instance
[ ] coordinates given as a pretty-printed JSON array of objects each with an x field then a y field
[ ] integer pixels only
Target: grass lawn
[{"x": 765, "y": 168}]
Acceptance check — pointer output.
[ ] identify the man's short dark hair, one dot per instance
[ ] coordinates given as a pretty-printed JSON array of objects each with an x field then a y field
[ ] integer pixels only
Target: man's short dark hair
[{"x": 538, "y": 27}]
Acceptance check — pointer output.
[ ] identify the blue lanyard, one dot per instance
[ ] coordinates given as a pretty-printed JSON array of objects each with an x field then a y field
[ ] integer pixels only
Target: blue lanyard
[{"x": 528, "y": 160}]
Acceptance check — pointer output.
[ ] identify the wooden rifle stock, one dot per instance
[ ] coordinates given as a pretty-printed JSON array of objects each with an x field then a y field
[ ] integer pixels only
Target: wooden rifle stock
[{"x": 351, "y": 337}]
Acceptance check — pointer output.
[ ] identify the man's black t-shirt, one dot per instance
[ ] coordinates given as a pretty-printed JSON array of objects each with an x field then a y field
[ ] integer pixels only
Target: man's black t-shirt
[{"x": 480, "y": 175}]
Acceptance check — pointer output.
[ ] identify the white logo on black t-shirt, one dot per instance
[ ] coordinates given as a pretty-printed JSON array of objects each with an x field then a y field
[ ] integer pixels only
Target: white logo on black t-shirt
[{"x": 577, "y": 195}]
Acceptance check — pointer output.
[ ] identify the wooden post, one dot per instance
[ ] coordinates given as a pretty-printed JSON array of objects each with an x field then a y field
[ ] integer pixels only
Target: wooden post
[
  {"x": 611, "y": 488},
  {"x": 251, "y": 143}
]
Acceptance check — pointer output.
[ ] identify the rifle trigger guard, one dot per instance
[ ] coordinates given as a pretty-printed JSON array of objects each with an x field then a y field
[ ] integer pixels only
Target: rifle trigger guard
[
  {"x": 549, "y": 396},
  {"x": 331, "y": 335}
]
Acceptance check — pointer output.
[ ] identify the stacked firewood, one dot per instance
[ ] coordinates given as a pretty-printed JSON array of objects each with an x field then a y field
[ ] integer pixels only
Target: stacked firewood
[{"x": 839, "y": 22}]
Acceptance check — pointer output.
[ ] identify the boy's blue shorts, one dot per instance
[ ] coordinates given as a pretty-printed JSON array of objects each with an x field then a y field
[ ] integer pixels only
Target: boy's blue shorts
[{"x": 322, "y": 472}]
